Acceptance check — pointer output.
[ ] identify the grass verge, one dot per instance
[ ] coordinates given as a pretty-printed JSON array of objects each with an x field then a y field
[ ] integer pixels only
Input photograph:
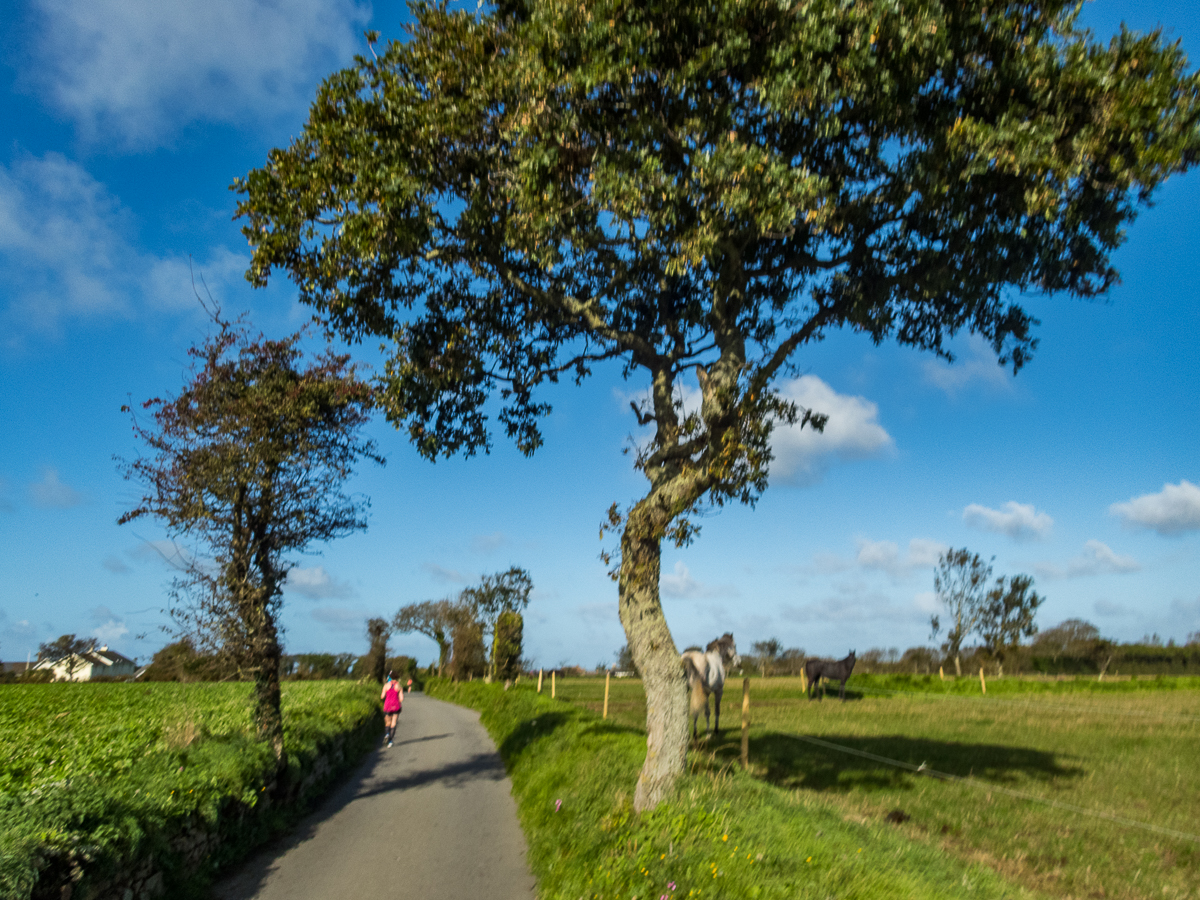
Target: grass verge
[{"x": 723, "y": 834}]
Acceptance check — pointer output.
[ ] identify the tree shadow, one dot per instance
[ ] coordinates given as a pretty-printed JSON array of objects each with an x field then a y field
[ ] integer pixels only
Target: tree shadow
[
  {"x": 245, "y": 879},
  {"x": 531, "y": 730},
  {"x": 791, "y": 762}
]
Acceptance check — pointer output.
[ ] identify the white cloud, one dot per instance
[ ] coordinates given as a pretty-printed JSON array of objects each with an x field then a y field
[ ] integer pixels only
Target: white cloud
[
  {"x": 802, "y": 455},
  {"x": 1017, "y": 520},
  {"x": 980, "y": 366},
  {"x": 110, "y": 627},
  {"x": 316, "y": 584},
  {"x": 884, "y": 556},
  {"x": 1097, "y": 558},
  {"x": 138, "y": 70},
  {"x": 51, "y": 493},
  {"x": 1173, "y": 510},
  {"x": 67, "y": 253},
  {"x": 853, "y": 432},
  {"x": 682, "y": 586}
]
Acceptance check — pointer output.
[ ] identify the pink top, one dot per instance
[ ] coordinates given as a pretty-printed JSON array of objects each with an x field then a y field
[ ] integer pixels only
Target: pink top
[{"x": 391, "y": 697}]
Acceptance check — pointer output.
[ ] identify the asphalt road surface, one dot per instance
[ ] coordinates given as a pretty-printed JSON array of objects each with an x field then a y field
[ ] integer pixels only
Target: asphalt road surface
[{"x": 430, "y": 817}]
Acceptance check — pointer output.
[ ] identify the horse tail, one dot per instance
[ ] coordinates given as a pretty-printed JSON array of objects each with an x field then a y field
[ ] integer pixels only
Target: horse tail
[{"x": 699, "y": 699}]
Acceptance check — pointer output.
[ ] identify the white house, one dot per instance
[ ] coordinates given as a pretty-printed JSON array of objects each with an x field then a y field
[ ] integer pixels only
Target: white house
[{"x": 97, "y": 662}]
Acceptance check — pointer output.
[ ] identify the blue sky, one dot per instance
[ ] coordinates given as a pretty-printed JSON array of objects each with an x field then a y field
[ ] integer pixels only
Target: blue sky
[{"x": 124, "y": 122}]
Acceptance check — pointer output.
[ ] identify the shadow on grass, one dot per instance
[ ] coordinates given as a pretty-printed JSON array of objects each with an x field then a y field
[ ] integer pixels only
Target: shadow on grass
[
  {"x": 791, "y": 762},
  {"x": 533, "y": 729}
]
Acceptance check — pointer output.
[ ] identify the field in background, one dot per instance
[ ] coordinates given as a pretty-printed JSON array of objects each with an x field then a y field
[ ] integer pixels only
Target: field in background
[{"x": 1126, "y": 750}]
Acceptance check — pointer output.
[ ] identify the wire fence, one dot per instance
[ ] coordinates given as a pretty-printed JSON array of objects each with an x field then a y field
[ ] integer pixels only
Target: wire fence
[
  {"x": 1057, "y": 707},
  {"x": 923, "y": 769}
]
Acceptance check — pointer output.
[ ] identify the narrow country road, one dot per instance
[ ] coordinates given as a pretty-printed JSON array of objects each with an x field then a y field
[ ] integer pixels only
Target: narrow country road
[{"x": 431, "y": 817}]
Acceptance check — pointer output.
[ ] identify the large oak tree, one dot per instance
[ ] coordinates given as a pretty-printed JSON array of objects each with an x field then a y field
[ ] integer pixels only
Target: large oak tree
[{"x": 700, "y": 191}]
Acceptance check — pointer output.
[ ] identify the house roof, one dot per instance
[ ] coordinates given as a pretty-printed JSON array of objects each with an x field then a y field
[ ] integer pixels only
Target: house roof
[{"x": 97, "y": 656}]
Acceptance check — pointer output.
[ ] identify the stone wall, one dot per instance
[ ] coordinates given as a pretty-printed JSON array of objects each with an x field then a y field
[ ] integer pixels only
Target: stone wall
[{"x": 198, "y": 849}]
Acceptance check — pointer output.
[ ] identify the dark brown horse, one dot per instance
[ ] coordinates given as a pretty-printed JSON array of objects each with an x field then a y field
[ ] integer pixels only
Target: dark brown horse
[{"x": 830, "y": 670}]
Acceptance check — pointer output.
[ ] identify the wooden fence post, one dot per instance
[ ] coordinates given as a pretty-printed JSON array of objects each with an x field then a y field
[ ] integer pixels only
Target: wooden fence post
[
  {"x": 539, "y": 681},
  {"x": 606, "y": 677},
  {"x": 745, "y": 723},
  {"x": 941, "y": 673},
  {"x": 803, "y": 682},
  {"x": 982, "y": 683},
  {"x": 553, "y": 691}
]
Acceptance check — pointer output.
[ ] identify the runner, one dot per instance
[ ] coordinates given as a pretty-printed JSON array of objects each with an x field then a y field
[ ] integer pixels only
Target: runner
[{"x": 391, "y": 707}]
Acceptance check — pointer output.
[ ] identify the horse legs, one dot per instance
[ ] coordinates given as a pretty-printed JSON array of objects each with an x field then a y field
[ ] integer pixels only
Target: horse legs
[{"x": 717, "y": 709}]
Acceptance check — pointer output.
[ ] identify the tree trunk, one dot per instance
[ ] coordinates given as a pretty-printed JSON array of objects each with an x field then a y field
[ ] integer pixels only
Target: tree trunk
[
  {"x": 657, "y": 659},
  {"x": 957, "y": 666},
  {"x": 268, "y": 719}
]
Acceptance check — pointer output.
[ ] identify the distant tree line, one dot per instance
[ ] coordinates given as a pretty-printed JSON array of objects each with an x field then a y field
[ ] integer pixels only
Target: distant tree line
[
  {"x": 1073, "y": 647},
  {"x": 479, "y": 633},
  {"x": 1000, "y": 616}
]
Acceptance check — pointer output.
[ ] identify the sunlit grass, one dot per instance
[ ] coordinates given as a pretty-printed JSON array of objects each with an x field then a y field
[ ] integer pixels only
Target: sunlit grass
[
  {"x": 724, "y": 835},
  {"x": 1124, "y": 749}
]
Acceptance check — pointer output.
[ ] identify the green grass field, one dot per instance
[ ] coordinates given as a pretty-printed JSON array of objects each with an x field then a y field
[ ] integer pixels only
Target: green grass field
[
  {"x": 722, "y": 835},
  {"x": 95, "y": 774},
  {"x": 1048, "y": 768}
]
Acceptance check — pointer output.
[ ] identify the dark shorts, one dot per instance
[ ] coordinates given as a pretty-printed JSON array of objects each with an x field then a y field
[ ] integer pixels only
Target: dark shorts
[{"x": 391, "y": 712}]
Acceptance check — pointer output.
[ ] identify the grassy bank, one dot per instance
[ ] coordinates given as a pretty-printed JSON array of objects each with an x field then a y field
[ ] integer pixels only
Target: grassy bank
[
  {"x": 1051, "y": 767},
  {"x": 97, "y": 777},
  {"x": 725, "y": 834}
]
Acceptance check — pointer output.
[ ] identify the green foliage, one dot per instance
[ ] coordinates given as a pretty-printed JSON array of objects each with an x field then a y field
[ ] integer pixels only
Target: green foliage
[
  {"x": 721, "y": 833},
  {"x": 99, "y": 775},
  {"x": 249, "y": 462},
  {"x": 1008, "y": 614},
  {"x": 507, "y": 644},
  {"x": 375, "y": 664},
  {"x": 317, "y": 666},
  {"x": 521, "y": 192},
  {"x": 469, "y": 659},
  {"x": 503, "y": 592},
  {"x": 433, "y": 618},
  {"x": 180, "y": 661}
]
